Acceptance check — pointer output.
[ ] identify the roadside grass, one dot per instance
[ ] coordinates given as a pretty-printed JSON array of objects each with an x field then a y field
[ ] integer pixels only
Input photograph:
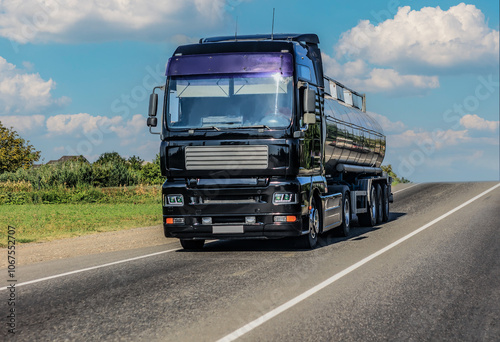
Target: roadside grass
[
  {"x": 22, "y": 193},
  {"x": 45, "y": 222}
]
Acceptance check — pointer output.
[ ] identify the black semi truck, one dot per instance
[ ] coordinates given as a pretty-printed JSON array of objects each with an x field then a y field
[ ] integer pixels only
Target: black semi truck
[{"x": 257, "y": 143}]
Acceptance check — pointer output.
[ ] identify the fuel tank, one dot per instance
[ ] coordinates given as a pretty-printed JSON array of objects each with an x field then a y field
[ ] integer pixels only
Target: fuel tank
[{"x": 352, "y": 137}]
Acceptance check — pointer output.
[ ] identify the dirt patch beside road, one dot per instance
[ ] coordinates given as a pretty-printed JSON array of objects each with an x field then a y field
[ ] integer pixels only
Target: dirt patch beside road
[{"x": 31, "y": 253}]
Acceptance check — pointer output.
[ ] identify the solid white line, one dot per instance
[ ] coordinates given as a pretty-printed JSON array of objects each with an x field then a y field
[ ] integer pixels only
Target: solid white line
[
  {"x": 273, "y": 313},
  {"x": 90, "y": 268},
  {"x": 395, "y": 192}
]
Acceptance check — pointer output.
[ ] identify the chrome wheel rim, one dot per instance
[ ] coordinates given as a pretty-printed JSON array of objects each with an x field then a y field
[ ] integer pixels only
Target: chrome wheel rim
[
  {"x": 314, "y": 222},
  {"x": 346, "y": 214},
  {"x": 373, "y": 207}
]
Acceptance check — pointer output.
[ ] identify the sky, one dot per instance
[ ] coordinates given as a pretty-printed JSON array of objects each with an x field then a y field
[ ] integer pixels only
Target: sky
[{"x": 75, "y": 76}]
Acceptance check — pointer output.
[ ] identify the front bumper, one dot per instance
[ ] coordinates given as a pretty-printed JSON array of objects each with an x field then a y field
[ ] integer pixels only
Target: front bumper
[{"x": 229, "y": 208}]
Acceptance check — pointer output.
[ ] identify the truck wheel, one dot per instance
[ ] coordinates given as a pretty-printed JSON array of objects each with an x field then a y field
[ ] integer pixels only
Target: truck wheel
[
  {"x": 370, "y": 218},
  {"x": 345, "y": 228},
  {"x": 380, "y": 203},
  {"x": 385, "y": 203},
  {"x": 310, "y": 240},
  {"x": 192, "y": 244}
]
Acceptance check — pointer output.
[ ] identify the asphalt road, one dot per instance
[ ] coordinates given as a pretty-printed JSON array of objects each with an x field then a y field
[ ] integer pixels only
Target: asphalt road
[{"x": 441, "y": 284}]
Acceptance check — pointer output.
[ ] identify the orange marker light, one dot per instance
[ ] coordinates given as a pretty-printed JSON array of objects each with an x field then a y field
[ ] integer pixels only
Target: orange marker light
[
  {"x": 291, "y": 219},
  {"x": 169, "y": 220}
]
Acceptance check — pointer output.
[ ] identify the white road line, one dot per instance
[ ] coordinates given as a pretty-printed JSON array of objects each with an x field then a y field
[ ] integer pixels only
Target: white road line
[
  {"x": 273, "y": 313},
  {"x": 89, "y": 268},
  {"x": 395, "y": 192}
]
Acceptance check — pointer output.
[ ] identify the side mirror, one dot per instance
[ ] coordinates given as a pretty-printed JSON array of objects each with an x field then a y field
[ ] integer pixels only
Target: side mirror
[
  {"x": 153, "y": 105},
  {"x": 152, "y": 122},
  {"x": 309, "y": 103}
]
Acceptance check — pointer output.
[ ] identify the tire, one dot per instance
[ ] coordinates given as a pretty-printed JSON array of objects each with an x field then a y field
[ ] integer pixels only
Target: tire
[
  {"x": 385, "y": 203},
  {"x": 310, "y": 240},
  {"x": 378, "y": 189},
  {"x": 369, "y": 219},
  {"x": 192, "y": 244},
  {"x": 345, "y": 229}
]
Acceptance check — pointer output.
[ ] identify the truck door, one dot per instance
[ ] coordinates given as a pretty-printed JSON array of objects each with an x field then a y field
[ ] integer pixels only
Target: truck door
[
  {"x": 310, "y": 146},
  {"x": 311, "y": 155}
]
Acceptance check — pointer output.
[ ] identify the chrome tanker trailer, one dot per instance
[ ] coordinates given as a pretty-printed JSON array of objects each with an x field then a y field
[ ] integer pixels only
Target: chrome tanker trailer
[{"x": 257, "y": 143}]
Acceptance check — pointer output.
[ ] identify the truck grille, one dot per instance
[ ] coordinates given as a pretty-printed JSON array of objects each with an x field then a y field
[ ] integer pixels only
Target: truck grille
[{"x": 227, "y": 157}]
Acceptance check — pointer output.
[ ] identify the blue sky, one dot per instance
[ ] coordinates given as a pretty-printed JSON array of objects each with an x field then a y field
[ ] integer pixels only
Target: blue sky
[{"x": 75, "y": 76}]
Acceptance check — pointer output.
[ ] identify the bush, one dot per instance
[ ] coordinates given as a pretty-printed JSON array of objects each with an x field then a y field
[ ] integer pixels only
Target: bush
[
  {"x": 395, "y": 178},
  {"x": 67, "y": 174},
  {"x": 110, "y": 157},
  {"x": 151, "y": 172},
  {"x": 110, "y": 170},
  {"x": 15, "y": 186},
  {"x": 136, "y": 194}
]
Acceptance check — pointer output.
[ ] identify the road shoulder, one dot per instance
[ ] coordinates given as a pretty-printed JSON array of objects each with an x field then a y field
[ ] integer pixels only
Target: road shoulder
[{"x": 31, "y": 253}]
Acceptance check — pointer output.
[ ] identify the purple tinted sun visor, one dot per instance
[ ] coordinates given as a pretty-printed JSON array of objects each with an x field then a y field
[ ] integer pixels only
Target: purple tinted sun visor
[{"x": 231, "y": 63}]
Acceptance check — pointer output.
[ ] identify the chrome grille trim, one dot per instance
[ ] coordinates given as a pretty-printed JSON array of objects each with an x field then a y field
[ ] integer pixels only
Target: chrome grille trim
[{"x": 227, "y": 157}]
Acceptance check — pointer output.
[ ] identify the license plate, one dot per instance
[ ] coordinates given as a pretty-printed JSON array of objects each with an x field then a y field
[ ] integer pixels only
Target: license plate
[{"x": 227, "y": 229}]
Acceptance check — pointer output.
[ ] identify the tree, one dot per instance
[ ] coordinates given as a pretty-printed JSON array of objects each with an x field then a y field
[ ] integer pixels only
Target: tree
[
  {"x": 151, "y": 172},
  {"x": 110, "y": 157},
  {"x": 135, "y": 163},
  {"x": 395, "y": 178},
  {"x": 15, "y": 152}
]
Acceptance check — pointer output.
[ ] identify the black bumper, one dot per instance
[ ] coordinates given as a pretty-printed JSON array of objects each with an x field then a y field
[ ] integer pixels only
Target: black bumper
[
  {"x": 229, "y": 207},
  {"x": 271, "y": 231}
]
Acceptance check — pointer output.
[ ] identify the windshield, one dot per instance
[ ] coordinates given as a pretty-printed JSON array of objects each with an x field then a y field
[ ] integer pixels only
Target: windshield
[{"x": 229, "y": 101}]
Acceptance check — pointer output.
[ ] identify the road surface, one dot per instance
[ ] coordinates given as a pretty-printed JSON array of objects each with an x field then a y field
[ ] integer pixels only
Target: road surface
[{"x": 431, "y": 273}]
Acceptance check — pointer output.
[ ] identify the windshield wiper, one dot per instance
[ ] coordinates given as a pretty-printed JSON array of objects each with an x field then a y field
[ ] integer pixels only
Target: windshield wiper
[
  {"x": 205, "y": 128},
  {"x": 256, "y": 126}
]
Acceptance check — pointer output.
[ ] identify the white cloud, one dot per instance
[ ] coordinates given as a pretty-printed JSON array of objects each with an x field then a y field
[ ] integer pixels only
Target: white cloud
[
  {"x": 181, "y": 39},
  {"x": 448, "y": 164},
  {"x": 81, "y": 123},
  {"x": 443, "y": 155},
  {"x": 357, "y": 74},
  {"x": 403, "y": 55},
  {"x": 24, "y": 124},
  {"x": 28, "y": 65},
  {"x": 388, "y": 125},
  {"x": 147, "y": 149},
  {"x": 428, "y": 140},
  {"x": 430, "y": 37},
  {"x": 130, "y": 129},
  {"x": 473, "y": 121},
  {"x": 103, "y": 134},
  {"x": 25, "y": 93},
  {"x": 72, "y": 20},
  {"x": 389, "y": 79},
  {"x": 446, "y": 161},
  {"x": 92, "y": 127}
]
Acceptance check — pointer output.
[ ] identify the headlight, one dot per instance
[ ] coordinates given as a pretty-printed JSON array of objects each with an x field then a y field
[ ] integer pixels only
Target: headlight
[
  {"x": 174, "y": 200},
  {"x": 284, "y": 198}
]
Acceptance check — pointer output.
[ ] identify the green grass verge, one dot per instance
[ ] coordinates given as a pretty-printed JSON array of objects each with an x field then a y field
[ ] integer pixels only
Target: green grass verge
[
  {"x": 18, "y": 193},
  {"x": 44, "y": 222}
]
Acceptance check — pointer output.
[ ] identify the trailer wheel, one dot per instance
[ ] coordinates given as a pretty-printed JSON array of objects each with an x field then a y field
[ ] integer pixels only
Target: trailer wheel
[
  {"x": 310, "y": 240},
  {"x": 192, "y": 244},
  {"x": 369, "y": 219},
  {"x": 345, "y": 228},
  {"x": 380, "y": 204},
  {"x": 385, "y": 203}
]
